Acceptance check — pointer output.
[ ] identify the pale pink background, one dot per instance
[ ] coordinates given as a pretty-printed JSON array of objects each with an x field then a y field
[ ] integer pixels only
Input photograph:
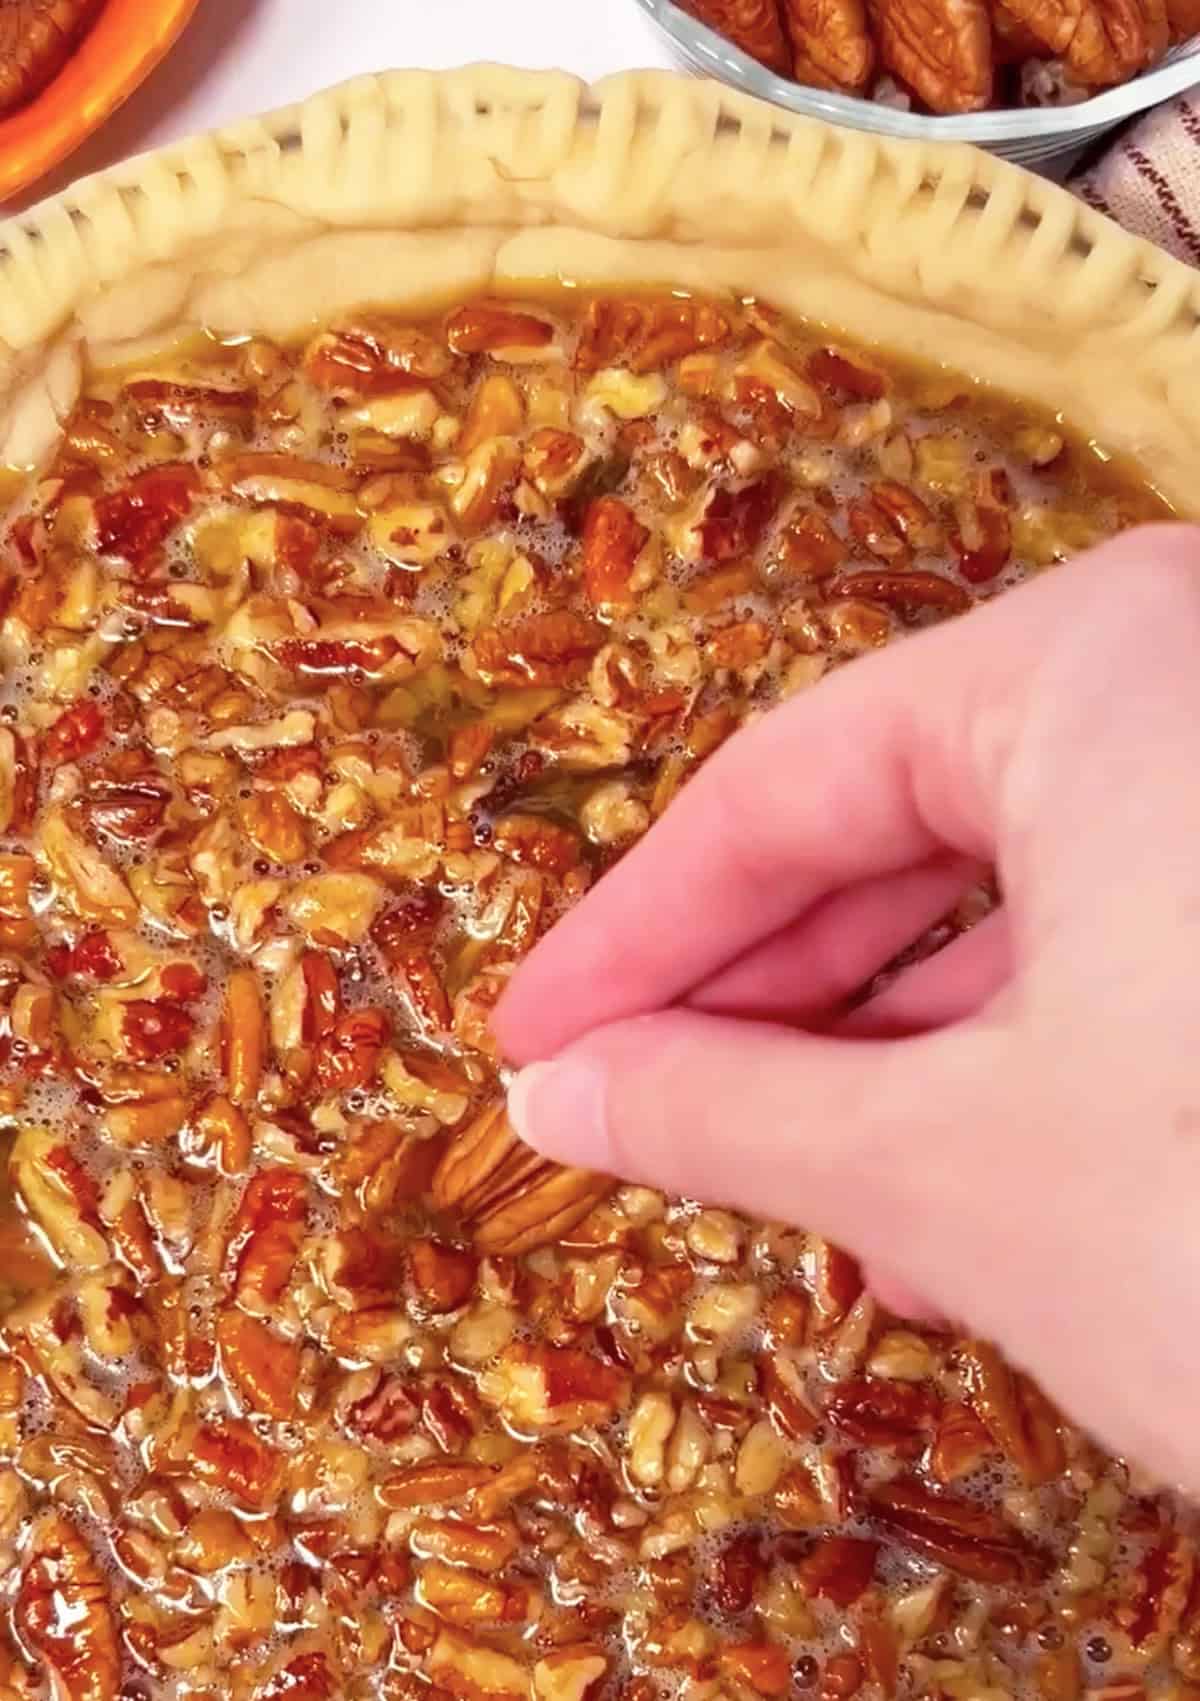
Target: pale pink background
[{"x": 243, "y": 56}]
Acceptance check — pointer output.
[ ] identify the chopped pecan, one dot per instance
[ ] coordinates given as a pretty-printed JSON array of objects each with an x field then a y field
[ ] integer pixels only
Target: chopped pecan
[
  {"x": 417, "y": 974},
  {"x": 735, "y": 522},
  {"x": 243, "y": 1036},
  {"x": 960, "y": 1443},
  {"x": 306, "y": 1677},
  {"x": 263, "y": 1367},
  {"x": 76, "y": 732},
  {"x": 65, "y": 1615},
  {"x": 836, "y": 1282},
  {"x": 537, "y": 842},
  {"x": 435, "y": 1482},
  {"x": 127, "y": 807},
  {"x": 496, "y": 411},
  {"x": 469, "y": 1671},
  {"x": 553, "y": 458},
  {"x": 998, "y": 1400},
  {"x": 645, "y": 334},
  {"x": 847, "y": 379},
  {"x": 273, "y": 827},
  {"x": 736, "y": 1569},
  {"x": 1160, "y": 1589},
  {"x": 839, "y": 1568},
  {"x": 374, "y": 357},
  {"x": 809, "y": 545},
  {"x": 984, "y": 537},
  {"x": 266, "y": 1233},
  {"x": 442, "y": 1275},
  {"x": 60, "y": 1195},
  {"x": 221, "y": 1128},
  {"x": 879, "y": 1412},
  {"x": 969, "y": 1539},
  {"x": 612, "y": 541},
  {"x": 785, "y": 1398},
  {"x": 542, "y": 649},
  {"x": 544, "y": 1388},
  {"x": 464, "y": 1597},
  {"x": 482, "y": 1547},
  {"x": 485, "y": 327},
  {"x": 135, "y": 522},
  {"x": 159, "y": 401},
  {"x": 347, "y": 1056},
  {"x": 762, "y": 1666}
]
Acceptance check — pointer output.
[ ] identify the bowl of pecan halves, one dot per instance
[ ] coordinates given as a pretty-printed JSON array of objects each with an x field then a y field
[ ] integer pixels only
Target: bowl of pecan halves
[{"x": 1029, "y": 79}]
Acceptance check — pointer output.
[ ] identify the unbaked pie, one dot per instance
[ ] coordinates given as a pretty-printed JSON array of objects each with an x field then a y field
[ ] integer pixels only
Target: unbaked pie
[{"x": 385, "y": 554}]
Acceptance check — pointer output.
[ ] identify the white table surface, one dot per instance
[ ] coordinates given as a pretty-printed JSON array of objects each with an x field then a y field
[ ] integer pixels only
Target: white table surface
[{"x": 244, "y": 56}]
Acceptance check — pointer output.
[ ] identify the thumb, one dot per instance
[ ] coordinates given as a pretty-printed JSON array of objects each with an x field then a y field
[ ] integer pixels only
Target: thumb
[
  {"x": 874, "y": 1144},
  {"x": 919, "y": 1156}
]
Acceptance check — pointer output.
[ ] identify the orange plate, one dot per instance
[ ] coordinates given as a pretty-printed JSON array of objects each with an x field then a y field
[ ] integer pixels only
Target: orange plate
[{"x": 121, "y": 48}]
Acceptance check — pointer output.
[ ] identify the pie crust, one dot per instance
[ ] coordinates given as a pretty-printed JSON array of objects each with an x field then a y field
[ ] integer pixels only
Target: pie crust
[{"x": 414, "y": 188}]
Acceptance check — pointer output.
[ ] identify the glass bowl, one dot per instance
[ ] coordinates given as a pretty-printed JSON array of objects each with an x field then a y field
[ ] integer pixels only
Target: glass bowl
[{"x": 1033, "y": 135}]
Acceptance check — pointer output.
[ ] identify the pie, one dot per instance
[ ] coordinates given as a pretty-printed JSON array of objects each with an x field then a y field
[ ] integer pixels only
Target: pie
[{"x": 406, "y": 494}]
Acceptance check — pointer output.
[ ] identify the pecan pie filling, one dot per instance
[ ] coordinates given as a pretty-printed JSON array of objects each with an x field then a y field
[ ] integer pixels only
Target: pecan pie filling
[{"x": 333, "y": 674}]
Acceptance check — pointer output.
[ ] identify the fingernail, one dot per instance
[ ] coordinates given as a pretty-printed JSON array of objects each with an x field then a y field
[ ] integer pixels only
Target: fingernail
[{"x": 559, "y": 1108}]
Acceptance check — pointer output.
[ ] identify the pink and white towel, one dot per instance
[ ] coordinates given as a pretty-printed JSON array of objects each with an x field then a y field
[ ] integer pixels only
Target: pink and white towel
[{"x": 1149, "y": 180}]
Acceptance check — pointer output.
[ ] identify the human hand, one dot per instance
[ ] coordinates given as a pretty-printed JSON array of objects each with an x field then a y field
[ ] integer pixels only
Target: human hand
[{"x": 1013, "y": 1127}]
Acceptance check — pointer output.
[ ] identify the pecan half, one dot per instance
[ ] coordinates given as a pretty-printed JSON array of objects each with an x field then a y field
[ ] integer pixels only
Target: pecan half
[
  {"x": 942, "y": 49},
  {"x": 831, "y": 43},
  {"x": 1051, "y": 24},
  {"x": 1112, "y": 41},
  {"x": 1183, "y": 18},
  {"x": 752, "y": 25},
  {"x": 512, "y": 1199}
]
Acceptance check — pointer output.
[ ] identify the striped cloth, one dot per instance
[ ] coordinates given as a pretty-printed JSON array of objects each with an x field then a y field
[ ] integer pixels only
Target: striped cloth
[{"x": 1149, "y": 180}]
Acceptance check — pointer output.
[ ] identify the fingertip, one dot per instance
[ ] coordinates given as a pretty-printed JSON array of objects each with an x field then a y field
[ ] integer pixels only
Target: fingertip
[{"x": 559, "y": 1109}]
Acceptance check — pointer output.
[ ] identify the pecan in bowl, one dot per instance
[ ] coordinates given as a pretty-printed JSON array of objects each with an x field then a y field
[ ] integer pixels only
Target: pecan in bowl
[
  {"x": 953, "y": 57},
  {"x": 36, "y": 37}
]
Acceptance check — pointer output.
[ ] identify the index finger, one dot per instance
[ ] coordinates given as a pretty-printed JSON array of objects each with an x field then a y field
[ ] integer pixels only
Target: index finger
[
  {"x": 898, "y": 757},
  {"x": 816, "y": 795}
]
